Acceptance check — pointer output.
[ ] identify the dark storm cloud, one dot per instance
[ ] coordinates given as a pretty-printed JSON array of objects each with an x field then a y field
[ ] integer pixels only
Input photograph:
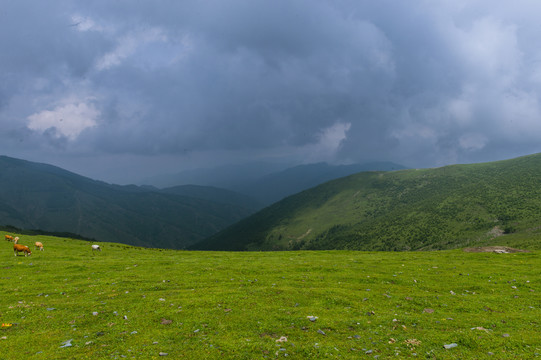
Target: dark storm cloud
[{"x": 421, "y": 83}]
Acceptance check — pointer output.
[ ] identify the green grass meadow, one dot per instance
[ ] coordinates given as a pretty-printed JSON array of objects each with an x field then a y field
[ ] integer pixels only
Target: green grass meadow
[{"x": 135, "y": 303}]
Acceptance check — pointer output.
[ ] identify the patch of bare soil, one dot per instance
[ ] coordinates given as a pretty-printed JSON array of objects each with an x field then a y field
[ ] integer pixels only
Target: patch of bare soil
[
  {"x": 494, "y": 249},
  {"x": 495, "y": 232}
]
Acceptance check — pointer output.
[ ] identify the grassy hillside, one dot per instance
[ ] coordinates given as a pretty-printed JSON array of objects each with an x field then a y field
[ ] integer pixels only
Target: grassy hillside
[
  {"x": 420, "y": 209},
  {"x": 40, "y": 196},
  {"x": 130, "y": 302}
]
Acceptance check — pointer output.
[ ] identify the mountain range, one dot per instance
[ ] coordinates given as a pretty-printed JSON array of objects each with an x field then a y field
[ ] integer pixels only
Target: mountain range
[
  {"x": 497, "y": 203},
  {"x": 416, "y": 209},
  {"x": 268, "y": 183},
  {"x": 48, "y": 198}
]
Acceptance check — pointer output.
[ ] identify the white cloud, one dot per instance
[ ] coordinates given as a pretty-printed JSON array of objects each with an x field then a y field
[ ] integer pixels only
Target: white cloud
[
  {"x": 84, "y": 23},
  {"x": 67, "y": 120},
  {"x": 331, "y": 137},
  {"x": 128, "y": 46},
  {"x": 329, "y": 141}
]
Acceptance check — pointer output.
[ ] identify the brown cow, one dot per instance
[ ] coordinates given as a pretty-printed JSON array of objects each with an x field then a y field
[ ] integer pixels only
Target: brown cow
[
  {"x": 9, "y": 238},
  {"x": 39, "y": 245},
  {"x": 18, "y": 248}
]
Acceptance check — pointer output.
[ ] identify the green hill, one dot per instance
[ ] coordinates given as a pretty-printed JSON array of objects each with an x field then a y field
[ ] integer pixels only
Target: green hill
[
  {"x": 423, "y": 209},
  {"x": 40, "y": 196}
]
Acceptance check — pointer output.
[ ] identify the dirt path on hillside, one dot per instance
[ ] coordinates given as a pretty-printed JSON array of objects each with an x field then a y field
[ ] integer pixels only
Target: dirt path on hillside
[{"x": 305, "y": 234}]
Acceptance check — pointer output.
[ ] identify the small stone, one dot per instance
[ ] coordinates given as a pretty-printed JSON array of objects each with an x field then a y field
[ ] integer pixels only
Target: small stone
[
  {"x": 95, "y": 313},
  {"x": 166, "y": 322},
  {"x": 479, "y": 328},
  {"x": 319, "y": 331},
  {"x": 506, "y": 335},
  {"x": 450, "y": 346},
  {"x": 66, "y": 343},
  {"x": 428, "y": 311},
  {"x": 163, "y": 354},
  {"x": 312, "y": 318}
]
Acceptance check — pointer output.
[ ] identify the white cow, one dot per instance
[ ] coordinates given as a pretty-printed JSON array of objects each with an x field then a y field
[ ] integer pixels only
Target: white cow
[{"x": 96, "y": 247}]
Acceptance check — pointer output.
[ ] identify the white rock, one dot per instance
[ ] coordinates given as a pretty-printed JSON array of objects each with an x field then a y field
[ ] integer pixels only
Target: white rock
[{"x": 66, "y": 343}]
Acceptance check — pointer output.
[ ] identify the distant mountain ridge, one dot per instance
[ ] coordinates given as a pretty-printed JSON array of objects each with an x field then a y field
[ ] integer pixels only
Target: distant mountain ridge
[
  {"x": 41, "y": 196},
  {"x": 268, "y": 183},
  {"x": 224, "y": 177},
  {"x": 214, "y": 194},
  {"x": 419, "y": 209},
  {"x": 276, "y": 186}
]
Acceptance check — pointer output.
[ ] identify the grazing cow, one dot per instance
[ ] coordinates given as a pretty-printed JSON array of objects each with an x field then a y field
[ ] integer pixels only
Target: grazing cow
[
  {"x": 96, "y": 247},
  {"x": 9, "y": 238},
  {"x": 16, "y": 240},
  {"x": 18, "y": 248},
  {"x": 39, "y": 245}
]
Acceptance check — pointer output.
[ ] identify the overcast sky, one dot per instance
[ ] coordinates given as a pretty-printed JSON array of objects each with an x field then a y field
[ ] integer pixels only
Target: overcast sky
[{"x": 120, "y": 90}]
